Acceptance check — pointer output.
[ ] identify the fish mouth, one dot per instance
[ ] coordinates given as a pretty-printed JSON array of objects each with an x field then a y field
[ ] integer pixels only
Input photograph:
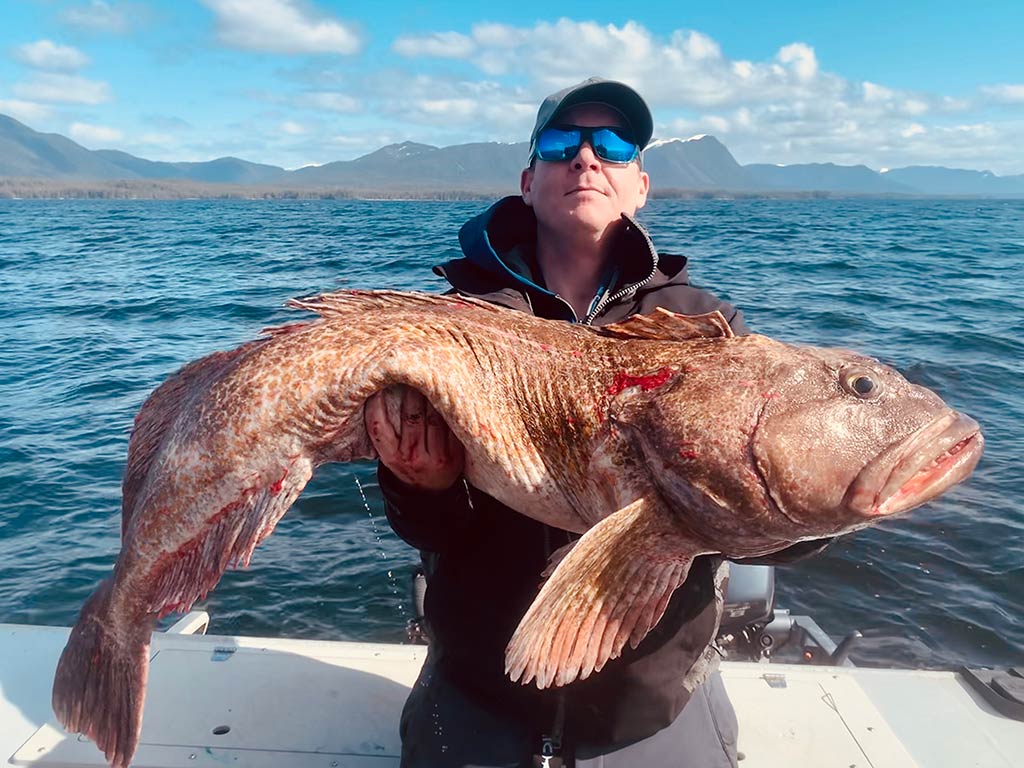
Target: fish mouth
[{"x": 919, "y": 468}]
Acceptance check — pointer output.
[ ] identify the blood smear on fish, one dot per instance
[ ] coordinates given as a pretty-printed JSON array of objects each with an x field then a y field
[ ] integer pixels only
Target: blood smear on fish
[{"x": 625, "y": 381}]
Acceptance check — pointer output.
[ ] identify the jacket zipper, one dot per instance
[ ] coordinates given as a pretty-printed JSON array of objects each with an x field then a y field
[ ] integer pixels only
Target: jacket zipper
[{"x": 625, "y": 290}]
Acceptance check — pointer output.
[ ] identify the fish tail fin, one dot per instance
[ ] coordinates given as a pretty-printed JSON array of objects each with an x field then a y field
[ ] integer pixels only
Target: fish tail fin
[{"x": 101, "y": 678}]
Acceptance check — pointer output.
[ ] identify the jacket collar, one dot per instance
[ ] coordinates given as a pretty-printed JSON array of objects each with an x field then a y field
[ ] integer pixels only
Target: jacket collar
[{"x": 499, "y": 247}]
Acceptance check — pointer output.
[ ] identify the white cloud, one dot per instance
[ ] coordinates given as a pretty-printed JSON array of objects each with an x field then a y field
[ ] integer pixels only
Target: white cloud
[
  {"x": 347, "y": 141},
  {"x": 695, "y": 127},
  {"x": 25, "y": 111},
  {"x": 456, "y": 109},
  {"x": 743, "y": 69},
  {"x": 687, "y": 69},
  {"x": 292, "y": 128},
  {"x": 915, "y": 106},
  {"x": 281, "y": 26},
  {"x": 976, "y": 130},
  {"x": 96, "y": 135},
  {"x": 63, "y": 89},
  {"x": 875, "y": 93},
  {"x": 981, "y": 146},
  {"x": 717, "y": 124},
  {"x": 486, "y": 109},
  {"x": 951, "y": 104},
  {"x": 46, "y": 54},
  {"x": 1008, "y": 94},
  {"x": 330, "y": 101},
  {"x": 800, "y": 57},
  {"x": 783, "y": 108},
  {"x": 491, "y": 35},
  {"x": 443, "y": 45},
  {"x": 97, "y": 16},
  {"x": 699, "y": 46}
]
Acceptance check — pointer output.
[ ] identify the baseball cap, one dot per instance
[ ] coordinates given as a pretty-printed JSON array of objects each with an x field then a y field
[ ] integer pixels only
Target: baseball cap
[{"x": 616, "y": 95}]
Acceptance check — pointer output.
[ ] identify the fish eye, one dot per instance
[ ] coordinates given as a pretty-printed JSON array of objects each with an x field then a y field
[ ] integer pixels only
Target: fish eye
[{"x": 861, "y": 383}]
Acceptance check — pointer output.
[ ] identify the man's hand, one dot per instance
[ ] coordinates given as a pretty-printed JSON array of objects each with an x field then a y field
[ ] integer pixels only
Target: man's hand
[{"x": 422, "y": 452}]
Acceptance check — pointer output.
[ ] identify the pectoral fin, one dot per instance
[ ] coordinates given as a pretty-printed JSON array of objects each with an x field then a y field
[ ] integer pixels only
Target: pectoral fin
[{"x": 612, "y": 586}]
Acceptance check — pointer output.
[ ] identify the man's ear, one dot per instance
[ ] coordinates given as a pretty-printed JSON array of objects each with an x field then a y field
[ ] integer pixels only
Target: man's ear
[
  {"x": 645, "y": 187},
  {"x": 526, "y": 185}
]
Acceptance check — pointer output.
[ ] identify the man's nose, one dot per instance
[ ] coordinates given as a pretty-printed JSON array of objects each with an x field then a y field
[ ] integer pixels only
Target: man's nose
[{"x": 586, "y": 157}]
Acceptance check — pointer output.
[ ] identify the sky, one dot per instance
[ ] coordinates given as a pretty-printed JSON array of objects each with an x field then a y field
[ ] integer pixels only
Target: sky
[{"x": 300, "y": 82}]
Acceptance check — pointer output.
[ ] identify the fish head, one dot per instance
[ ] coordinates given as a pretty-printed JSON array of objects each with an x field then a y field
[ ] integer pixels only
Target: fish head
[{"x": 846, "y": 440}]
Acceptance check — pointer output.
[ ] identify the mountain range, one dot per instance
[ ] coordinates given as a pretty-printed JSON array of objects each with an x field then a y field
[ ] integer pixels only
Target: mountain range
[{"x": 698, "y": 164}]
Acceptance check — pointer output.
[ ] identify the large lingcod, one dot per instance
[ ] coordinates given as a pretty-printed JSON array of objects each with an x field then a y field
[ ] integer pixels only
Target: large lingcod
[{"x": 659, "y": 438}]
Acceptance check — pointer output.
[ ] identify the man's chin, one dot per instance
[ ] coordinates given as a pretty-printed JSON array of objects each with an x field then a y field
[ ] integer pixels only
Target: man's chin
[
  {"x": 592, "y": 207},
  {"x": 597, "y": 218},
  {"x": 583, "y": 214}
]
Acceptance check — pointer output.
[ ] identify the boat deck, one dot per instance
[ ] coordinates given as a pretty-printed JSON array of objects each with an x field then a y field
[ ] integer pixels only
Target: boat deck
[{"x": 261, "y": 702}]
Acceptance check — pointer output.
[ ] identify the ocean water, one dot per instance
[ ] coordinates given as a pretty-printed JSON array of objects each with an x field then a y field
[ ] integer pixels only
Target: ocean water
[{"x": 101, "y": 300}]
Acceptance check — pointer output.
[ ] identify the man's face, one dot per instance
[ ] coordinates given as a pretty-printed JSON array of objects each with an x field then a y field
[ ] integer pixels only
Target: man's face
[{"x": 585, "y": 191}]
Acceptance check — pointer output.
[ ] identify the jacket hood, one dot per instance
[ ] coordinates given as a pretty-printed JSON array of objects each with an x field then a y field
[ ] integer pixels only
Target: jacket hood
[{"x": 500, "y": 244}]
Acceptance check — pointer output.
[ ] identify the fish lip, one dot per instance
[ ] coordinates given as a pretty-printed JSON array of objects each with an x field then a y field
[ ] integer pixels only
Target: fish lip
[{"x": 920, "y": 467}]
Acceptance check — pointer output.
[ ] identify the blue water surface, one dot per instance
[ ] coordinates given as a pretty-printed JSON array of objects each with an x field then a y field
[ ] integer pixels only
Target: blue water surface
[{"x": 101, "y": 300}]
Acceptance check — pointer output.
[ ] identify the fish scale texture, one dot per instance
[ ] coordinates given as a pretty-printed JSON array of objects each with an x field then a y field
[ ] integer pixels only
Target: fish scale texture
[{"x": 660, "y": 438}]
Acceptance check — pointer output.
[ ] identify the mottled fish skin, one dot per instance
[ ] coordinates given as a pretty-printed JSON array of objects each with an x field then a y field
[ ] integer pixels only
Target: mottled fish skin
[{"x": 662, "y": 437}]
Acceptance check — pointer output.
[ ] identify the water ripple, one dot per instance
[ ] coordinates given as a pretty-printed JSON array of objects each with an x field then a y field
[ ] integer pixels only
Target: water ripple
[{"x": 100, "y": 300}]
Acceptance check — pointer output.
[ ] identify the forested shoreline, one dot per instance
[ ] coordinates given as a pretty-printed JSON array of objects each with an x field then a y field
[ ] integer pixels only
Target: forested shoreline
[
  {"x": 140, "y": 189},
  {"x": 47, "y": 189},
  {"x": 18, "y": 188}
]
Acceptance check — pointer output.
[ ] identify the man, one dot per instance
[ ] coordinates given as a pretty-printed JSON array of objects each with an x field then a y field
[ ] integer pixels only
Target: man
[{"x": 567, "y": 249}]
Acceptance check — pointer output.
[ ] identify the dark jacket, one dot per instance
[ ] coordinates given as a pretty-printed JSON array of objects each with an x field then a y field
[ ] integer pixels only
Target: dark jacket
[{"x": 484, "y": 560}]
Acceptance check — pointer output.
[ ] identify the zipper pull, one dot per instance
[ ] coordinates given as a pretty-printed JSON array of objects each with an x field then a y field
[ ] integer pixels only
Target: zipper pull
[{"x": 549, "y": 757}]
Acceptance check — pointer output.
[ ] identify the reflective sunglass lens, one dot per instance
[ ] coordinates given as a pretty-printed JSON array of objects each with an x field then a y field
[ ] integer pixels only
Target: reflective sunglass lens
[
  {"x": 554, "y": 144},
  {"x": 610, "y": 146},
  {"x": 557, "y": 144}
]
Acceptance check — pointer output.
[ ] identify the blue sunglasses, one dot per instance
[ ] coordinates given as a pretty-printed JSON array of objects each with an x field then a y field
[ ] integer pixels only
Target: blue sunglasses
[{"x": 563, "y": 142}]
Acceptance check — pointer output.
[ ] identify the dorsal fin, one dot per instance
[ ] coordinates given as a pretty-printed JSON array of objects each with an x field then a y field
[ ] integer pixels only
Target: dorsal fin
[
  {"x": 158, "y": 414},
  {"x": 664, "y": 325},
  {"x": 273, "y": 331},
  {"x": 350, "y": 302}
]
